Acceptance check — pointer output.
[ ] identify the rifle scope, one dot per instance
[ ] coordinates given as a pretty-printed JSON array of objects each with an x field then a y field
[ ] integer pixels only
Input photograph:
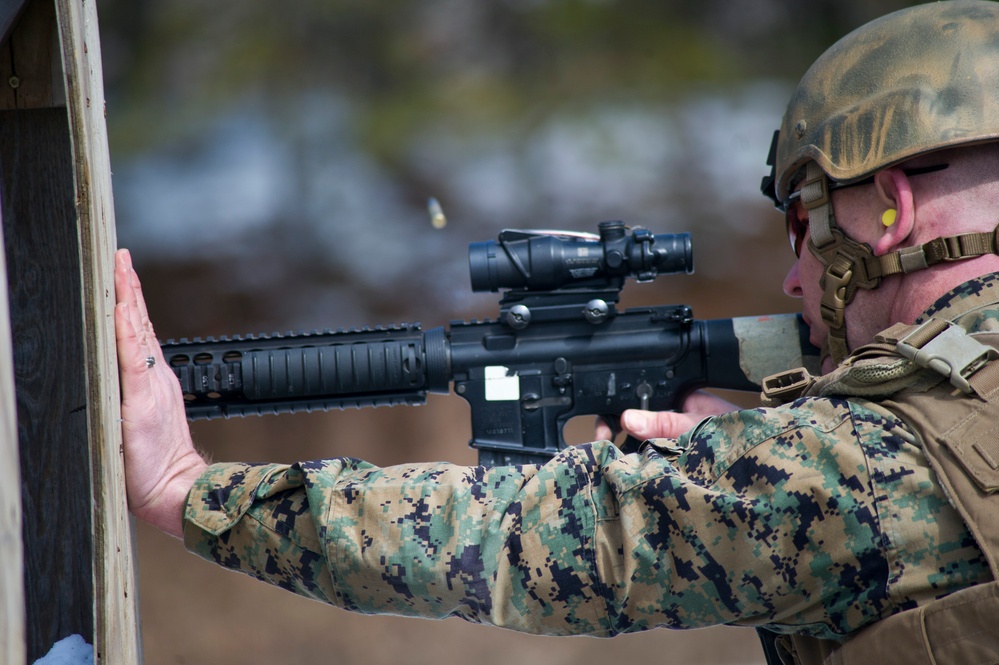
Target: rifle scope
[{"x": 546, "y": 261}]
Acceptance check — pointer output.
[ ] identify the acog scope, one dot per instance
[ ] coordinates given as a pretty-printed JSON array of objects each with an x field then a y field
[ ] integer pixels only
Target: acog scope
[{"x": 552, "y": 260}]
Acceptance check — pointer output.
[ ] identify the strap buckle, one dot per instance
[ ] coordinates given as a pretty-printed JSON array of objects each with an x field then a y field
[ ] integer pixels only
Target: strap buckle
[
  {"x": 835, "y": 296},
  {"x": 949, "y": 351},
  {"x": 786, "y": 386}
]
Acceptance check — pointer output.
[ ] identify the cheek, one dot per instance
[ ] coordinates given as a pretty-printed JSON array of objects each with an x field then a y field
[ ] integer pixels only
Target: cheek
[{"x": 810, "y": 272}]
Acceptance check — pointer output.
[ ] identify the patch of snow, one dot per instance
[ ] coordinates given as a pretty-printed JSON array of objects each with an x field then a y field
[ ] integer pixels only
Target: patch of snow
[{"x": 72, "y": 650}]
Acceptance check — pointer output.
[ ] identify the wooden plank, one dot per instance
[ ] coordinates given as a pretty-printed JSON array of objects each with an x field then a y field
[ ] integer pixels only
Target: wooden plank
[
  {"x": 30, "y": 63},
  {"x": 58, "y": 222},
  {"x": 116, "y": 633},
  {"x": 43, "y": 270},
  {"x": 12, "y": 647}
]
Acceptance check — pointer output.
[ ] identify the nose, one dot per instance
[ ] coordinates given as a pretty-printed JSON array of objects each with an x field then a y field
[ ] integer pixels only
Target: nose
[{"x": 792, "y": 282}]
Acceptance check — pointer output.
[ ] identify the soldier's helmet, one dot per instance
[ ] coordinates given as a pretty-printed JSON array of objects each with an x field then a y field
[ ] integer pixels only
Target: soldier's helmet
[{"x": 917, "y": 80}]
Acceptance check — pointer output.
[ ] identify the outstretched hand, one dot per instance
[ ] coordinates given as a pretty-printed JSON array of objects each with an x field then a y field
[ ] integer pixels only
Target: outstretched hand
[
  {"x": 668, "y": 424},
  {"x": 161, "y": 462}
]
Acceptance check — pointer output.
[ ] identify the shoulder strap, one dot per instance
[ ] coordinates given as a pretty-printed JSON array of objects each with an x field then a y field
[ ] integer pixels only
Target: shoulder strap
[
  {"x": 948, "y": 349},
  {"x": 875, "y": 369}
]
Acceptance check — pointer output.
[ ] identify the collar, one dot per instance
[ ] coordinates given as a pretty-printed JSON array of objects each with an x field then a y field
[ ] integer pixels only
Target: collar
[{"x": 974, "y": 305}]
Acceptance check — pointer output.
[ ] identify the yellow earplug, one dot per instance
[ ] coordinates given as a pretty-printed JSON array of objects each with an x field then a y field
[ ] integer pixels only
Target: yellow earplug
[{"x": 888, "y": 217}]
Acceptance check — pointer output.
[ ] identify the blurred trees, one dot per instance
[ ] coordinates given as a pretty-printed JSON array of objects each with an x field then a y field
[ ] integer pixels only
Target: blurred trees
[
  {"x": 409, "y": 62},
  {"x": 322, "y": 126}
]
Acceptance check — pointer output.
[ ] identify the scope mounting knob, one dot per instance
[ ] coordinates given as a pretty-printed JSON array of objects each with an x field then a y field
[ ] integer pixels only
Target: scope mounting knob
[
  {"x": 596, "y": 311},
  {"x": 518, "y": 317}
]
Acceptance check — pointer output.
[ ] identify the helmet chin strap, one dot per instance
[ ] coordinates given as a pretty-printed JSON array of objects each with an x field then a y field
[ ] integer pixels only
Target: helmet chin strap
[{"x": 851, "y": 265}]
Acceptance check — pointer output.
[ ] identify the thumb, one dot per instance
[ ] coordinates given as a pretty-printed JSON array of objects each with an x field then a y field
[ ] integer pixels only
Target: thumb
[{"x": 656, "y": 424}]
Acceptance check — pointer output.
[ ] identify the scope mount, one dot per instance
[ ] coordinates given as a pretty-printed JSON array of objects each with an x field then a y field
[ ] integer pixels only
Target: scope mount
[{"x": 519, "y": 308}]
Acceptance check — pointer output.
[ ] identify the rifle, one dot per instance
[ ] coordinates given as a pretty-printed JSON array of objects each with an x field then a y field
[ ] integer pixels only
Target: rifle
[{"x": 559, "y": 349}]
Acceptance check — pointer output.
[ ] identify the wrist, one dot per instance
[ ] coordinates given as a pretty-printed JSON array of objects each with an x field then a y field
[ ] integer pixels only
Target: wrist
[{"x": 166, "y": 512}]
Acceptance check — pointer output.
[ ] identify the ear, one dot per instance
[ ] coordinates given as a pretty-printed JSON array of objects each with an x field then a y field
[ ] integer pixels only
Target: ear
[{"x": 895, "y": 191}]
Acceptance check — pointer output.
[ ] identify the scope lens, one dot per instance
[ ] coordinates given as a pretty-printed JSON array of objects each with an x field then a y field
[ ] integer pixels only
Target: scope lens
[{"x": 676, "y": 254}]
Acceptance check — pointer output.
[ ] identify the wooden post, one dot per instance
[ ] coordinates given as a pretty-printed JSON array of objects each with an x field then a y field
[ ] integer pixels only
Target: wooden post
[
  {"x": 116, "y": 629},
  {"x": 58, "y": 218},
  {"x": 11, "y": 551}
]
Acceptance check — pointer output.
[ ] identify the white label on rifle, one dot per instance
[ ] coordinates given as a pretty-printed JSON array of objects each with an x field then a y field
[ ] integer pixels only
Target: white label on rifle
[{"x": 501, "y": 386}]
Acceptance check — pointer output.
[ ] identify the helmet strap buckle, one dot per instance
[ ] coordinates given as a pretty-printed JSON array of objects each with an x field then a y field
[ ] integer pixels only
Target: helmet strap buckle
[{"x": 835, "y": 283}]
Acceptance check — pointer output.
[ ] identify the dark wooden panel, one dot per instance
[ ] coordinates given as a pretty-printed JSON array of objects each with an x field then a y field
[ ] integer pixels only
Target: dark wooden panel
[
  {"x": 30, "y": 64},
  {"x": 9, "y": 11},
  {"x": 43, "y": 263}
]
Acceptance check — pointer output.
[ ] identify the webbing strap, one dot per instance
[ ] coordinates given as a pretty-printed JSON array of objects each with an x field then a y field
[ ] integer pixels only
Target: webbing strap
[
  {"x": 815, "y": 198},
  {"x": 947, "y": 349},
  {"x": 986, "y": 381},
  {"x": 918, "y": 334},
  {"x": 938, "y": 250},
  {"x": 837, "y": 343}
]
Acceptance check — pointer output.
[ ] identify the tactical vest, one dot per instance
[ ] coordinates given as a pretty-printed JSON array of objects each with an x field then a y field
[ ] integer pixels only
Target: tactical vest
[{"x": 944, "y": 383}]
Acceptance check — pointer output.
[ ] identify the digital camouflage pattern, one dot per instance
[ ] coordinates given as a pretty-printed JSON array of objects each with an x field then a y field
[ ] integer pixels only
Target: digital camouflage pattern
[
  {"x": 815, "y": 518},
  {"x": 917, "y": 80}
]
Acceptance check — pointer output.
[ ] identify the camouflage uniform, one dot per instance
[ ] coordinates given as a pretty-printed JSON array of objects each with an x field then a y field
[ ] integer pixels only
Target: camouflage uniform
[{"x": 815, "y": 518}]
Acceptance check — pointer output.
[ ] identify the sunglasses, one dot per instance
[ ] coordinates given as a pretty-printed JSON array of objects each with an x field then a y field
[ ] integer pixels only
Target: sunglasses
[{"x": 796, "y": 226}]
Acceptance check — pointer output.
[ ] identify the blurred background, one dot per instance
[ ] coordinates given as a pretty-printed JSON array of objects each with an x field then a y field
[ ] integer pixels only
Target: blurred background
[{"x": 272, "y": 164}]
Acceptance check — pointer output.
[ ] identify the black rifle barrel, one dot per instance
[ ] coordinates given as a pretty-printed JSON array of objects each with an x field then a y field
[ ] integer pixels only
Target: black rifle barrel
[
  {"x": 400, "y": 364},
  {"x": 308, "y": 371}
]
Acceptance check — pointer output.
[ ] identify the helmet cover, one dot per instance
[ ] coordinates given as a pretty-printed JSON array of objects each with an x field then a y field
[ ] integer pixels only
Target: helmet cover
[{"x": 914, "y": 81}]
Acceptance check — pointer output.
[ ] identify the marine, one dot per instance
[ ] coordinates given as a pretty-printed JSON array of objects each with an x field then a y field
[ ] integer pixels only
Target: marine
[{"x": 847, "y": 519}]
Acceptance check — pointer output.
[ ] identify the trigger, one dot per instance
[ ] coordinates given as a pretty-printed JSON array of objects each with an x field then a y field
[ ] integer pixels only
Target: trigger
[
  {"x": 613, "y": 423},
  {"x": 644, "y": 392}
]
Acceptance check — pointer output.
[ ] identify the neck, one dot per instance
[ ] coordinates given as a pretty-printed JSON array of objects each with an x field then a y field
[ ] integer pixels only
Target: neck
[{"x": 918, "y": 290}]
